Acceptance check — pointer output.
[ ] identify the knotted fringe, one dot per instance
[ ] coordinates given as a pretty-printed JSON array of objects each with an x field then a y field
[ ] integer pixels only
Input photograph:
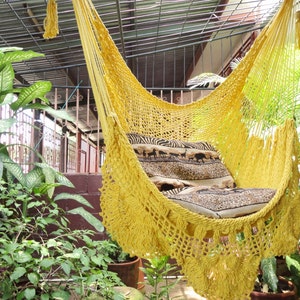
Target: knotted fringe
[{"x": 51, "y": 21}]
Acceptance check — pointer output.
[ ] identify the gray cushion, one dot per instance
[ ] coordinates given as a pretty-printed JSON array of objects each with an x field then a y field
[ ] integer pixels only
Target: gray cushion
[{"x": 223, "y": 203}]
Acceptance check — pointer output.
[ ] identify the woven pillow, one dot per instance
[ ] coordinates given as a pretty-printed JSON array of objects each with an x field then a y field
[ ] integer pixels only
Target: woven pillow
[
  {"x": 223, "y": 203},
  {"x": 193, "y": 176},
  {"x": 172, "y": 164}
]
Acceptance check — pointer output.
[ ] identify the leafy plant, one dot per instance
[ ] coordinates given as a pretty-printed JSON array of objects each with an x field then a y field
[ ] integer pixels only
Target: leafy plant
[
  {"x": 277, "y": 274},
  {"x": 42, "y": 178},
  {"x": 266, "y": 104},
  {"x": 20, "y": 99},
  {"x": 157, "y": 270},
  {"x": 293, "y": 264},
  {"x": 40, "y": 257}
]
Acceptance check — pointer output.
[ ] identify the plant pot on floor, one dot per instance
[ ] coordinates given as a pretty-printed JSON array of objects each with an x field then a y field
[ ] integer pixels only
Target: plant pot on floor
[
  {"x": 289, "y": 292},
  {"x": 128, "y": 272}
]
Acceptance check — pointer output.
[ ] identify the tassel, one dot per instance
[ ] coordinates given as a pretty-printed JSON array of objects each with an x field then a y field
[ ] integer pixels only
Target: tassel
[
  {"x": 297, "y": 30},
  {"x": 51, "y": 21}
]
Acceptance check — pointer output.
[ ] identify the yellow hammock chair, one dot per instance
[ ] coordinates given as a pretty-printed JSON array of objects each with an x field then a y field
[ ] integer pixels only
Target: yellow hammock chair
[{"x": 257, "y": 144}]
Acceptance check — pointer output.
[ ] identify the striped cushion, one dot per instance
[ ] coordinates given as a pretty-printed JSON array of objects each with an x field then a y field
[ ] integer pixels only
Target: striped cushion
[{"x": 174, "y": 164}]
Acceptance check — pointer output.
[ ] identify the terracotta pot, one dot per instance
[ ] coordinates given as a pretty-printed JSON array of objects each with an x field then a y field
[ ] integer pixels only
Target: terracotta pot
[
  {"x": 128, "y": 272},
  {"x": 289, "y": 295}
]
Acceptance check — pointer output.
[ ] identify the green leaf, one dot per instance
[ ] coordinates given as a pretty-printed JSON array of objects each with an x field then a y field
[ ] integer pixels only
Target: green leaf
[
  {"x": 45, "y": 297},
  {"x": 33, "y": 278},
  {"x": 34, "y": 178},
  {"x": 35, "y": 204},
  {"x": 44, "y": 188},
  {"x": 3, "y": 149},
  {"x": 93, "y": 278},
  {"x": 20, "y": 296},
  {"x": 151, "y": 281},
  {"x": 66, "y": 267},
  {"x": 17, "y": 273},
  {"x": 51, "y": 243},
  {"x": 12, "y": 167},
  {"x": 11, "y": 247},
  {"x": 47, "y": 262},
  {"x": 63, "y": 180},
  {"x": 93, "y": 221},
  {"x": 7, "y": 258},
  {"x": 61, "y": 295},
  {"x": 6, "y": 124},
  {"x": 59, "y": 114},
  {"x": 85, "y": 260},
  {"x": 268, "y": 267},
  {"x": 8, "y": 98},
  {"x": 80, "y": 199},
  {"x": 22, "y": 257},
  {"x": 159, "y": 262},
  {"x": 6, "y": 287},
  {"x": 7, "y": 76},
  {"x": 18, "y": 55},
  {"x": 44, "y": 251},
  {"x": 293, "y": 263},
  {"x": 8, "y": 49},
  {"x": 75, "y": 255},
  {"x": 64, "y": 222},
  {"x": 97, "y": 260},
  {"x": 29, "y": 293},
  {"x": 28, "y": 94},
  {"x": 49, "y": 174}
]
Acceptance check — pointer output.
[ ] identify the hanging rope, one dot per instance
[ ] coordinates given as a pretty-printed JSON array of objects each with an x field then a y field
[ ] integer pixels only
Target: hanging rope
[{"x": 51, "y": 21}]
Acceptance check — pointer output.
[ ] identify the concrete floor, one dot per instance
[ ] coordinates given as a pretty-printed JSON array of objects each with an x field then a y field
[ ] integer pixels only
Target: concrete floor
[{"x": 181, "y": 291}]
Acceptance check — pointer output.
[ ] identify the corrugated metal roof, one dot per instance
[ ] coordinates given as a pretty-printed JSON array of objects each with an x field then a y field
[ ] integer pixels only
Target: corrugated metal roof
[
  {"x": 161, "y": 40},
  {"x": 160, "y": 32}
]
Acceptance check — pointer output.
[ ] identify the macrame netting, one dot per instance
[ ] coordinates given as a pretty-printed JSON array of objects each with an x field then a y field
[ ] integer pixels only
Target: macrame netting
[{"x": 258, "y": 144}]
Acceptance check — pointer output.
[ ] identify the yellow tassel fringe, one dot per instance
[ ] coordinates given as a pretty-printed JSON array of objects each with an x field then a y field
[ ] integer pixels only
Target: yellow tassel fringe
[{"x": 51, "y": 21}]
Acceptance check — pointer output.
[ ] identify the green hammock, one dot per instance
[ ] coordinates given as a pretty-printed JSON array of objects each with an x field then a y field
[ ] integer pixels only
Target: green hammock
[{"x": 249, "y": 122}]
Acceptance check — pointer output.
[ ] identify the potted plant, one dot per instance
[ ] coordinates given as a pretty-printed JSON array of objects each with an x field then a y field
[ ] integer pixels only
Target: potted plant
[
  {"x": 126, "y": 266},
  {"x": 271, "y": 285},
  {"x": 40, "y": 257}
]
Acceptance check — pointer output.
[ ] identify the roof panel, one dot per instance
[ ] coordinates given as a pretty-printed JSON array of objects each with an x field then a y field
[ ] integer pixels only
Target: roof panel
[{"x": 158, "y": 33}]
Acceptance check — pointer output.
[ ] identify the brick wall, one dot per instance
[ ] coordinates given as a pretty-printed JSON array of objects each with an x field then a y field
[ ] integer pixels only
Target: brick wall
[{"x": 88, "y": 186}]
